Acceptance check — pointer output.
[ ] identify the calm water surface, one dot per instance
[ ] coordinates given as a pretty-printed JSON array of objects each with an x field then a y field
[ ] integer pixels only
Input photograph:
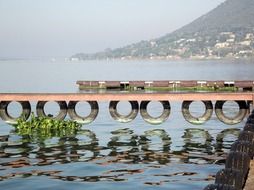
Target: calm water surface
[{"x": 107, "y": 154}]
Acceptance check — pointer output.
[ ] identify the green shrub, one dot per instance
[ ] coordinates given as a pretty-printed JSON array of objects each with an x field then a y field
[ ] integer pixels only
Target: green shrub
[{"x": 44, "y": 127}]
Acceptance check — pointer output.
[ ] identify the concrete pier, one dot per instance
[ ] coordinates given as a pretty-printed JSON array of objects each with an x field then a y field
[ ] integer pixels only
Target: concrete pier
[
  {"x": 67, "y": 103},
  {"x": 170, "y": 96},
  {"x": 167, "y": 84}
]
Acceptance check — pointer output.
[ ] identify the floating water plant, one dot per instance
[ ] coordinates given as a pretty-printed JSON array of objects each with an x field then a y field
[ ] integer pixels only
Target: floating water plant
[{"x": 46, "y": 127}]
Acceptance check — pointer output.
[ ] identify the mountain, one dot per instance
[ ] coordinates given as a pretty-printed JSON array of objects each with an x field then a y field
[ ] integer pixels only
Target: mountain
[
  {"x": 231, "y": 14},
  {"x": 226, "y": 31}
]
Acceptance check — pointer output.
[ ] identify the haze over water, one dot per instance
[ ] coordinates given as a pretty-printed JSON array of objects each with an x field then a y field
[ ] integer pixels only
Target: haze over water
[
  {"x": 46, "y": 28},
  {"x": 107, "y": 154},
  {"x": 35, "y": 38},
  {"x": 61, "y": 76}
]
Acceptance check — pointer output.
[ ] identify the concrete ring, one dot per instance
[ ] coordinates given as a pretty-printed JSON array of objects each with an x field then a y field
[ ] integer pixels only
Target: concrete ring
[
  {"x": 155, "y": 120},
  {"x": 60, "y": 116},
  {"x": 231, "y": 120},
  {"x": 26, "y": 111},
  {"x": 197, "y": 120},
  {"x": 83, "y": 119},
  {"x": 123, "y": 118}
]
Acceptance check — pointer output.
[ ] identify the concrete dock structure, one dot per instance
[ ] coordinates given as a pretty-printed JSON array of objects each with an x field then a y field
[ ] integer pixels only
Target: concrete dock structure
[
  {"x": 170, "y": 85},
  {"x": 237, "y": 163},
  {"x": 68, "y": 101},
  {"x": 128, "y": 96}
]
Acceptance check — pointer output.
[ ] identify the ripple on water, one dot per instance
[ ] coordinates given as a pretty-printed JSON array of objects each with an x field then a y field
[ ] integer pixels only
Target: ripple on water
[{"x": 151, "y": 159}]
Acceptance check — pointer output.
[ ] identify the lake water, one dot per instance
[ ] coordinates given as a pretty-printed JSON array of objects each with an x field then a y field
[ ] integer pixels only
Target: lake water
[{"x": 107, "y": 154}]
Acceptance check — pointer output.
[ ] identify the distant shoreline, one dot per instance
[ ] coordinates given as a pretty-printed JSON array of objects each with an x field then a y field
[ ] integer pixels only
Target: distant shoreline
[
  {"x": 73, "y": 60},
  {"x": 167, "y": 59}
]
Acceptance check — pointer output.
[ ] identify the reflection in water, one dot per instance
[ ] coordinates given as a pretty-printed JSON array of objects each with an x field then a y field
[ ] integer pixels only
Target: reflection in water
[
  {"x": 197, "y": 140},
  {"x": 153, "y": 148},
  {"x": 135, "y": 158},
  {"x": 82, "y": 146},
  {"x": 123, "y": 146},
  {"x": 197, "y": 143},
  {"x": 225, "y": 139},
  {"x": 69, "y": 149}
]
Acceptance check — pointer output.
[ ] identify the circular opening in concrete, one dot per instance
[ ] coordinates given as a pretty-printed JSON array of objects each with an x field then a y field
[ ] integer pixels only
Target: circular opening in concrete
[
  {"x": 124, "y": 108},
  {"x": 14, "y": 109},
  {"x": 51, "y": 108},
  {"x": 230, "y": 109},
  {"x": 197, "y": 108},
  {"x": 83, "y": 108},
  {"x": 155, "y": 109}
]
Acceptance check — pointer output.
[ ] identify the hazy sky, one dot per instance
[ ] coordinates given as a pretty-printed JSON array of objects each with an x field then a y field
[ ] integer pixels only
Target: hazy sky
[{"x": 31, "y": 28}]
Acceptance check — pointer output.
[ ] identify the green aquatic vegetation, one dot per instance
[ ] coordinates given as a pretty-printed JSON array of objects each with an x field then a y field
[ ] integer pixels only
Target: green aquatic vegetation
[
  {"x": 167, "y": 89},
  {"x": 193, "y": 89},
  {"x": 44, "y": 127}
]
